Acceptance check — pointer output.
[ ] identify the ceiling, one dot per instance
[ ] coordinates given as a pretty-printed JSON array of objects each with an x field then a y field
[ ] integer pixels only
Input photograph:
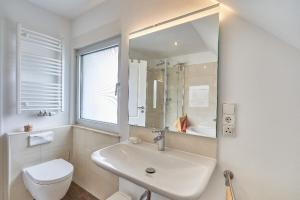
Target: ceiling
[
  {"x": 279, "y": 17},
  {"x": 198, "y": 36},
  {"x": 67, "y": 8}
]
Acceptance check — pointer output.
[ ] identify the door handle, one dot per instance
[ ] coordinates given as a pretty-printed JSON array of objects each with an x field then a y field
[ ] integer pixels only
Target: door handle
[{"x": 141, "y": 107}]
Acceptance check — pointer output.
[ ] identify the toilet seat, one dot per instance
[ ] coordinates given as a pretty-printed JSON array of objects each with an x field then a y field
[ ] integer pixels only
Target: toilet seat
[
  {"x": 50, "y": 172},
  {"x": 50, "y": 180}
]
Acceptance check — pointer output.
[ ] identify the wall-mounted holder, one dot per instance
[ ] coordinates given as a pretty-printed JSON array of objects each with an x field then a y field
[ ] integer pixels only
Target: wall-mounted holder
[
  {"x": 229, "y": 189},
  {"x": 45, "y": 113},
  {"x": 39, "y": 138}
]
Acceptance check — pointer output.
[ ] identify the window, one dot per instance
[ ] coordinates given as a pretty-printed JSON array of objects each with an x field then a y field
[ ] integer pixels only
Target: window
[{"x": 98, "y": 85}]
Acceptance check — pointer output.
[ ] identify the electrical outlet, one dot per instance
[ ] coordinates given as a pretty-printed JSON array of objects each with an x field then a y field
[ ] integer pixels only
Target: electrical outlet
[
  {"x": 228, "y": 130},
  {"x": 228, "y": 119},
  {"x": 229, "y": 112}
]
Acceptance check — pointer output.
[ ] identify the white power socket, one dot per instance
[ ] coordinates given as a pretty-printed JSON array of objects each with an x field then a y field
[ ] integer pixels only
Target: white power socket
[
  {"x": 228, "y": 130},
  {"x": 229, "y": 119}
]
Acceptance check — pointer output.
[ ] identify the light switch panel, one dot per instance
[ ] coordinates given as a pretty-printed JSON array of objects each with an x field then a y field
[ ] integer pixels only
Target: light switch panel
[{"x": 228, "y": 109}]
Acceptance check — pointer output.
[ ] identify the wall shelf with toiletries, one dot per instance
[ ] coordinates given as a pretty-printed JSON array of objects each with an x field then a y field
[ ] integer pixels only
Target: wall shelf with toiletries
[{"x": 173, "y": 76}]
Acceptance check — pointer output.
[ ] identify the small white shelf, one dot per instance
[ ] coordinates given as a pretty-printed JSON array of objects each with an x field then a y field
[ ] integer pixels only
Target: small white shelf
[{"x": 40, "y": 71}]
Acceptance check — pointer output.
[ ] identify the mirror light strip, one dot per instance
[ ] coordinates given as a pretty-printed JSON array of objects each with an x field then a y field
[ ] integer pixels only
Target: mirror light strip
[{"x": 214, "y": 9}]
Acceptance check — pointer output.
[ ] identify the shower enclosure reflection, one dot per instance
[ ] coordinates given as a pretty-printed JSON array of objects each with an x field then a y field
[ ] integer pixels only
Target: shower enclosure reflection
[
  {"x": 173, "y": 78},
  {"x": 191, "y": 88}
]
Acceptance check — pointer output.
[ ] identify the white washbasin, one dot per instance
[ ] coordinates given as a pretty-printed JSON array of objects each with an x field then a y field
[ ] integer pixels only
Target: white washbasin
[
  {"x": 179, "y": 175},
  {"x": 202, "y": 130}
]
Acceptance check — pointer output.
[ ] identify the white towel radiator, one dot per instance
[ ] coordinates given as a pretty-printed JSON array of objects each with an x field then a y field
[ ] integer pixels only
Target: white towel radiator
[{"x": 40, "y": 72}]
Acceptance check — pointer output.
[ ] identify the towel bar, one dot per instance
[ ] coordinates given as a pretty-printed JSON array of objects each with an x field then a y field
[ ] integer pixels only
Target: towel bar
[{"x": 229, "y": 189}]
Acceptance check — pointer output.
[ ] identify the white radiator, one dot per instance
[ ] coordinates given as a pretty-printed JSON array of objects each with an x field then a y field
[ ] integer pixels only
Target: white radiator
[{"x": 40, "y": 71}]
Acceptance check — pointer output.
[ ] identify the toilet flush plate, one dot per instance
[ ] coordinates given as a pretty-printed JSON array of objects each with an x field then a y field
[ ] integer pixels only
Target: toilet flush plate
[{"x": 175, "y": 174}]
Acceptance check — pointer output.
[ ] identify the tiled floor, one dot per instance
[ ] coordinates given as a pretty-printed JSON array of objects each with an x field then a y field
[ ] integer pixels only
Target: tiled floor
[{"x": 75, "y": 192}]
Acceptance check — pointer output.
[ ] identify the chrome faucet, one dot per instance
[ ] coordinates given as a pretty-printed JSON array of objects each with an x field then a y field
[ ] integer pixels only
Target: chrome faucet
[{"x": 160, "y": 138}]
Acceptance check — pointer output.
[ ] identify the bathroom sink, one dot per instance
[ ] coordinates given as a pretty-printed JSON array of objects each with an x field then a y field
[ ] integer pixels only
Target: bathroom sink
[
  {"x": 178, "y": 174},
  {"x": 202, "y": 130}
]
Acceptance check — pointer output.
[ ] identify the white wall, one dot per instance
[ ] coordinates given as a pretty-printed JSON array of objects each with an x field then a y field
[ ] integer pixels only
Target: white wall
[
  {"x": 1, "y": 108},
  {"x": 13, "y": 11},
  {"x": 258, "y": 72},
  {"x": 2, "y": 24}
]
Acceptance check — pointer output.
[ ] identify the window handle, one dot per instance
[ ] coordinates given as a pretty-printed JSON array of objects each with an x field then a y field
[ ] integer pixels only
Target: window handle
[{"x": 117, "y": 88}]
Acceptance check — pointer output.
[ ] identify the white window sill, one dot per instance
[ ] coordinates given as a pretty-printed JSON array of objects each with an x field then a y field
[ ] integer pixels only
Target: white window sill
[{"x": 97, "y": 130}]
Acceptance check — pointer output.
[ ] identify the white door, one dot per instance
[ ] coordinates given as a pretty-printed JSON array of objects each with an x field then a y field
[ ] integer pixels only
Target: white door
[{"x": 137, "y": 92}]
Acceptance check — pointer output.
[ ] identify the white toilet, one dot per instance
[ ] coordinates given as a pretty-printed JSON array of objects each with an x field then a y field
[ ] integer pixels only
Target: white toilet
[{"x": 50, "y": 180}]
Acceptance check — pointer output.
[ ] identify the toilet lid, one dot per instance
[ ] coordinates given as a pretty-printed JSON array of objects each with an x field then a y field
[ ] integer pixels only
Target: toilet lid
[{"x": 50, "y": 172}]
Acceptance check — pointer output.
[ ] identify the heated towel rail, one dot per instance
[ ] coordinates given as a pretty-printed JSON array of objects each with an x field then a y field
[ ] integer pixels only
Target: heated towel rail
[
  {"x": 40, "y": 72},
  {"x": 229, "y": 189}
]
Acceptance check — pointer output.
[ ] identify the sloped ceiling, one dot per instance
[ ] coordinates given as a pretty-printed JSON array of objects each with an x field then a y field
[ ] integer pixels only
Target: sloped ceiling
[
  {"x": 208, "y": 30},
  {"x": 279, "y": 17},
  {"x": 68, "y": 8},
  {"x": 198, "y": 36},
  {"x": 161, "y": 44}
]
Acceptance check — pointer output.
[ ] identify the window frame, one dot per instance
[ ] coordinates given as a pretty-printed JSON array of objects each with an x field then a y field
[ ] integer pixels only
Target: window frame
[{"x": 102, "y": 45}]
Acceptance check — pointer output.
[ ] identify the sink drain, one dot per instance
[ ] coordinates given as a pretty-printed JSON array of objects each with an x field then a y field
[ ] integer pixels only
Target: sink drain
[{"x": 150, "y": 170}]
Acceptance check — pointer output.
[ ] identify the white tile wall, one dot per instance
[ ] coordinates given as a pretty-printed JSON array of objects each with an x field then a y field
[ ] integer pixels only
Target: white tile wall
[
  {"x": 21, "y": 156},
  {"x": 70, "y": 143},
  {"x": 189, "y": 143},
  {"x": 95, "y": 180}
]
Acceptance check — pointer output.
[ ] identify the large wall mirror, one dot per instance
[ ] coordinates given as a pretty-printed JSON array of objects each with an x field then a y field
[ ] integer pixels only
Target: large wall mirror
[{"x": 173, "y": 76}]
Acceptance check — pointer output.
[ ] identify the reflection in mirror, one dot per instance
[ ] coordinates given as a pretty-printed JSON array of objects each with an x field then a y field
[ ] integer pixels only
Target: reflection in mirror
[{"x": 173, "y": 78}]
